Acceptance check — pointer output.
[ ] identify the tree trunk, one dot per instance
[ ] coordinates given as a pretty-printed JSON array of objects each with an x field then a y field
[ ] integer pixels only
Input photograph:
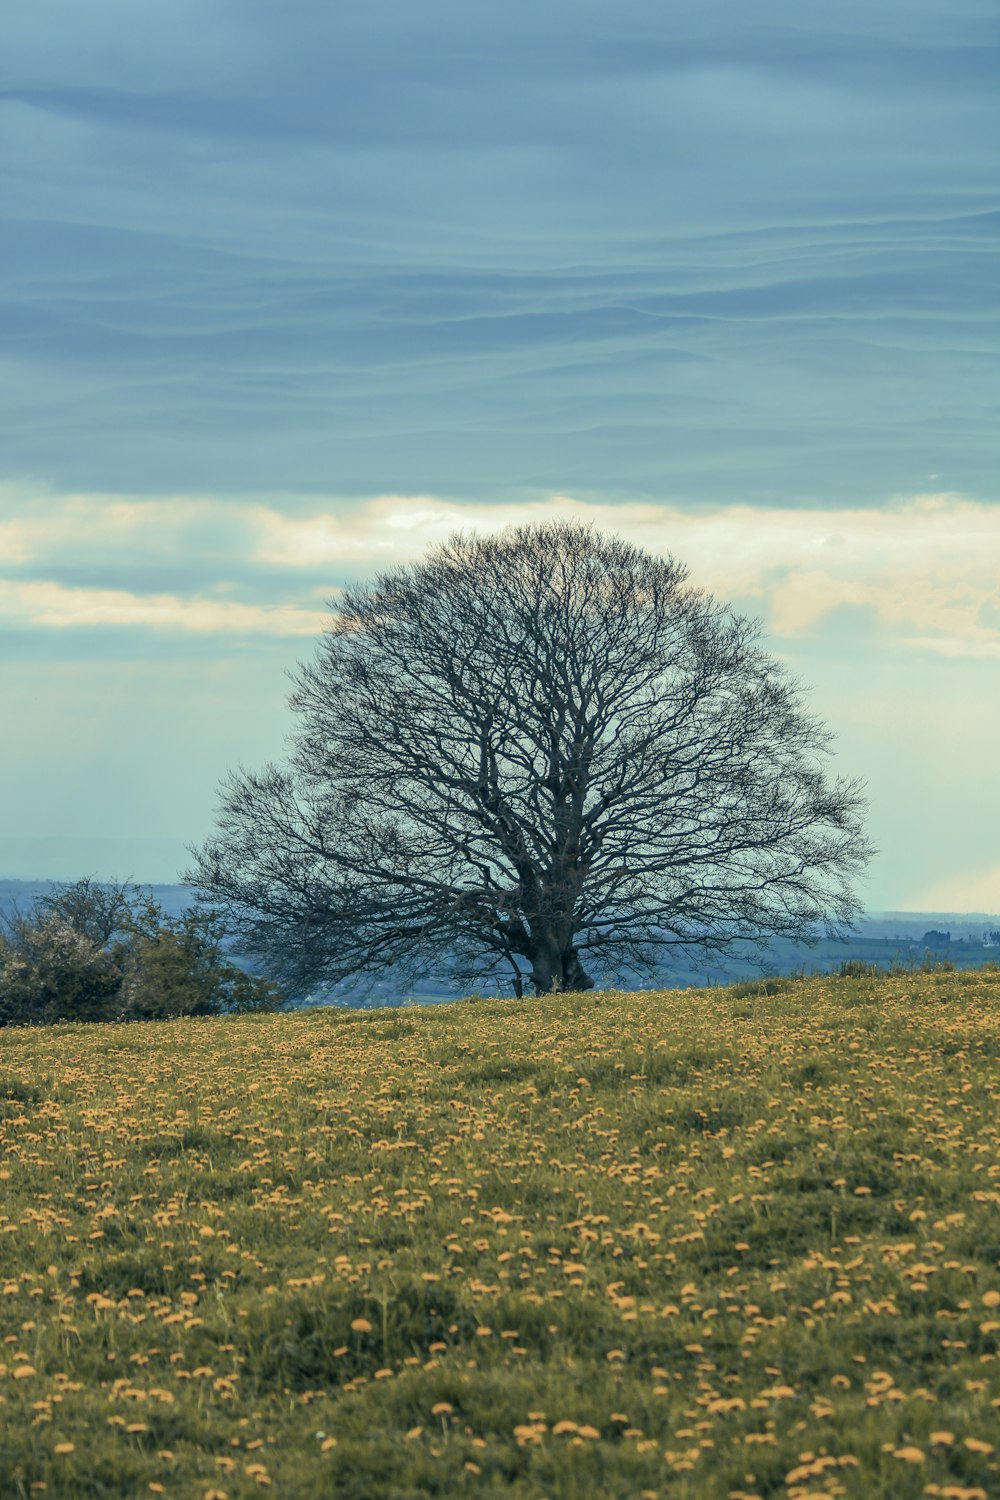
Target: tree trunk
[
  {"x": 575, "y": 976},
  {"x": 546, "y": 969},
  {"x": 552, "y": 969}
]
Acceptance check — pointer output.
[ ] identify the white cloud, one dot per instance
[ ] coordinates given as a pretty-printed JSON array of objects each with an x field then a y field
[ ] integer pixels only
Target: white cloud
[
  {"x": 927, "y": 569},
  {"x": 51, "y": 605},
  {"x": 37, "y": 528}
]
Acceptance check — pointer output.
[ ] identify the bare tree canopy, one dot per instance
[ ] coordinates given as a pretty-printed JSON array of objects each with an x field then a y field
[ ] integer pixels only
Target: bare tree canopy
[{"x": 529, "y": 748}]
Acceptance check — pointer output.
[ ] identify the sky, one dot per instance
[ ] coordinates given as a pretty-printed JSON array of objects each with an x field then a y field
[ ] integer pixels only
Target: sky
[{"x": 289, "y": 292}]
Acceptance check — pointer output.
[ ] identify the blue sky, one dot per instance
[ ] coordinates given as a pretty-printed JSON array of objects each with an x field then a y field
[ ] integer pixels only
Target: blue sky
[{"x": 287, "y": 292}]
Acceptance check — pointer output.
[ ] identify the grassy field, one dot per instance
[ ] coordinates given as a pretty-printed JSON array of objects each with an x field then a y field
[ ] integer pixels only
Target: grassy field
[{"x": 703, "y": 1243}]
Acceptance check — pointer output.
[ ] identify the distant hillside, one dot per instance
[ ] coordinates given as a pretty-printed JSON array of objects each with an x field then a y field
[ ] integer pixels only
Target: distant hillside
[{"x": 965, "y": 926}]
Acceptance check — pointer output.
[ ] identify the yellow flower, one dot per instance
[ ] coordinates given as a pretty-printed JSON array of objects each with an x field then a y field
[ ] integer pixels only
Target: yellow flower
[
  {"x": 910, "y": 1454},
  {"x": 976, "y": 1445}
]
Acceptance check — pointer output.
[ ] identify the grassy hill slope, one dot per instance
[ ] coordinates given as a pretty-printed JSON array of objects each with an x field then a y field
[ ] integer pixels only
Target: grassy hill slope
[{"x": 695, "y": 1244}]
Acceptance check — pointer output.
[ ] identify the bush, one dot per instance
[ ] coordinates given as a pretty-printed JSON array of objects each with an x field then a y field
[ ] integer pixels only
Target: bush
[
  {"x": 110, "y": 953},
  {"x": 50, "y": 971},
  {"x": 178, "y": 968}
]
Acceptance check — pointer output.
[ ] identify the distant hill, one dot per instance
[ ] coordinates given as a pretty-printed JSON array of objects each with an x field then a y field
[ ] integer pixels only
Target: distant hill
[{"x": 963, "y": 925}]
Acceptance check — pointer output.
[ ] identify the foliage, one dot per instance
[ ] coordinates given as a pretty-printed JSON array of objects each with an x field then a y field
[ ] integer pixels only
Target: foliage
[
  {"x": 669, "y": 1246},
  {"x": 92, "y": 952},
  {"x": 177, "y": 967},
  {"x": 49, "y": 970},
  {"x": 99, "y": 910},
  {"x": 527, "y": 749}
]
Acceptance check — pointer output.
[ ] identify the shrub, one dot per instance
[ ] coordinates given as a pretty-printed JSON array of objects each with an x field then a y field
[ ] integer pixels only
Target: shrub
[
  {"x": 50, "y": 971},
  {"x": 178, "y": 968},
  {"x": 108, "y": 953}
]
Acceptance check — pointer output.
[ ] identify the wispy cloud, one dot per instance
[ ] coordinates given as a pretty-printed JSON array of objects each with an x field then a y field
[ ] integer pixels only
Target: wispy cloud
[
  {"x": 684, "y": 250},
  {"x": 50, "y": 606}
]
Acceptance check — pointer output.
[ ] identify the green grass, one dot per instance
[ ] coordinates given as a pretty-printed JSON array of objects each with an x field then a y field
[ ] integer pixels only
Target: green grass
[{"x": 727, "y": 1243}]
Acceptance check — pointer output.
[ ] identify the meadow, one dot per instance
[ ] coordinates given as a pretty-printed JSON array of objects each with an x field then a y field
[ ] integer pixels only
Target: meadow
[{"x": 730, "y": 1243}]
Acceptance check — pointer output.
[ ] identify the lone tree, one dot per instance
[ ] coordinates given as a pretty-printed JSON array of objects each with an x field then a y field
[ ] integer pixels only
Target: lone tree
[{"x": 525, "y": 749}]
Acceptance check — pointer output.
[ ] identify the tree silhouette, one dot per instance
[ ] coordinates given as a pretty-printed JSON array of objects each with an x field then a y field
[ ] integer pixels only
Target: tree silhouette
[{"x": 526, "y": 749}]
